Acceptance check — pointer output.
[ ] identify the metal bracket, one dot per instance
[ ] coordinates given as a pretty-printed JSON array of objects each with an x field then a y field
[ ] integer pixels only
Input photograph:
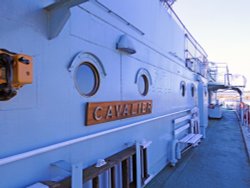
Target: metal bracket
[
  {"x": 58, "y": 15},
  {"x": 74, "y": 169},
  {"x": 62, "y": 165},
  {"x": 145, "y": 143}
]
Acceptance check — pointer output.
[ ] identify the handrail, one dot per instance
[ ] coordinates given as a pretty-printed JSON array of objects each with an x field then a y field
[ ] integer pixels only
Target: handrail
[
  {"x": 244, "y": 112},
  {"x": 192, "y": 39},
  {"x": 56, "y": 146},
  {"x": 196, "y": 48}
]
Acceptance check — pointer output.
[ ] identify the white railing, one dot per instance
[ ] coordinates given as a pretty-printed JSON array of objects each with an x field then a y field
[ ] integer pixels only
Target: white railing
[
  {"x": 193, "y": 50},
  {"x": 243, "y": 111},
  {"x": 45, "y": 149},
  {"x": 219, "y": 73}
]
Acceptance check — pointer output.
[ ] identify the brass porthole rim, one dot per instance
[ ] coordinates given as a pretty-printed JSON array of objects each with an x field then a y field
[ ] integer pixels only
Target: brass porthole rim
[
  {"x": 193, "y": 90},
  {"x": 183, "y": 88},
  {"x": 146, "y": 85},
  {"x": 96, "y": 77}
]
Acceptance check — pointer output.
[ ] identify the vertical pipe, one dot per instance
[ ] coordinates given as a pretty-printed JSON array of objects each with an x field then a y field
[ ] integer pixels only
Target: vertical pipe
[
  {"x": 241, "y": 111},
  {"x": 174, "y": 153},
  {"x": 203, "y": 106}
]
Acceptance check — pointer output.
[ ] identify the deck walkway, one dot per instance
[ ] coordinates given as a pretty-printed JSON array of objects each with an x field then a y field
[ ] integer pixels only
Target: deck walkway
[{"x": 219, "y": 162}]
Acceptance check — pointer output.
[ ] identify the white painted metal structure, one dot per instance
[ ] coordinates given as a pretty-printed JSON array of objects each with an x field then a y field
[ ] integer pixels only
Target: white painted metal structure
[{"x": 45, "y": 122}]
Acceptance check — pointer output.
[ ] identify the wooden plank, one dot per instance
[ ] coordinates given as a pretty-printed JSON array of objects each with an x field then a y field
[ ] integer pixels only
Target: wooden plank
[
  {"x": 93, "y": 171},
  {"x": 65, "y": 183},
  {"x": 125, "y": 173},
  {"x": 191, "y": 138},
  {"x": 100, "y": 112},
  {"x": 181, "y": 119},
  {"x": 182, "y": 128},
  {"x": 194, "y": 139},
  {"x": 186, "y": 138}
]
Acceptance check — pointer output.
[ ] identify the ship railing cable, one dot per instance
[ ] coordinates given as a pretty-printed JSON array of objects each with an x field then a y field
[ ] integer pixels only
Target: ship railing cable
[
  {"x": 192, "y": 51},
  {"x": 188, "y": 36},
  {"x": 219, "y": 72},
  {"x": 45, "y": 149}
]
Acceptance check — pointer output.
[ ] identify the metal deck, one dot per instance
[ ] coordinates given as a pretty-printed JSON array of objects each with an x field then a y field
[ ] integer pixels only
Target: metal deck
[{"x": 220, "y": 161}]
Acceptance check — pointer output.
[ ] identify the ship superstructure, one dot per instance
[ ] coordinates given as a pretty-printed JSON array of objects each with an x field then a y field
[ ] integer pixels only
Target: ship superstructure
[{"x": 97, "y": 93}]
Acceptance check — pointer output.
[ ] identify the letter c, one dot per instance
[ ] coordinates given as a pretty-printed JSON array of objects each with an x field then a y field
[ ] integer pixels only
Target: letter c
[{"x": 96, "y": 117}]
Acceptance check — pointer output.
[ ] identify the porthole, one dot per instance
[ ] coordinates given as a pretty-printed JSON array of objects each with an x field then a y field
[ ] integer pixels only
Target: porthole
[
  {"x": 87, "y": 79},
  {"x": 183, "y": 88},
  {"x": 193, "y": 90},
  {"x": 143, "y": 84}
]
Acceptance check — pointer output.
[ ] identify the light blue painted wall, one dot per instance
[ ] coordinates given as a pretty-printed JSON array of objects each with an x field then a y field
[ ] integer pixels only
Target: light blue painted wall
[{"x": 51, "y": 110}]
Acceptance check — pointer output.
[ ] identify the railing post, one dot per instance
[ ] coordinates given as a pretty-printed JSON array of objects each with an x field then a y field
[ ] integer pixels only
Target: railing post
[
  {"x": 241, "y": 116},
  {"x": 241, "y": 111},
  {"x": 138, "y": 165},
  {"x": 248, "y": 118},
  {"x": 77, "y": 180}
]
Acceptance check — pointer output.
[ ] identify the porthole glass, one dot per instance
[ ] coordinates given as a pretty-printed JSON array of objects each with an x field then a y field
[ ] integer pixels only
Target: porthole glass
[
  {"x": 183, "y": 88},
  {"x": 143, "y": 85},
  {"x": 193, "y": 90},
  {"x": 87, "y": 79}
]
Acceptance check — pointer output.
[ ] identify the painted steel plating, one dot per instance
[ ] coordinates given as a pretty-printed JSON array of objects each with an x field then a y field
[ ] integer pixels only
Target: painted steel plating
[
  {"x": 110, "y": 111},
  {"x": 39, "y": 151},
  {"x": 44, "y": 122}
]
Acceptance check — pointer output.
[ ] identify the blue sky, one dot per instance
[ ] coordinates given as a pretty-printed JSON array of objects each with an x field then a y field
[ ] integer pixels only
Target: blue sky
[{"x": 222, "y": 27}]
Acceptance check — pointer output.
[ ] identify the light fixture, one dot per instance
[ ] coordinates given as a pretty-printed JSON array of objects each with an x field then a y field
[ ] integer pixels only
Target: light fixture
[{"x": 125, "y": 45}]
